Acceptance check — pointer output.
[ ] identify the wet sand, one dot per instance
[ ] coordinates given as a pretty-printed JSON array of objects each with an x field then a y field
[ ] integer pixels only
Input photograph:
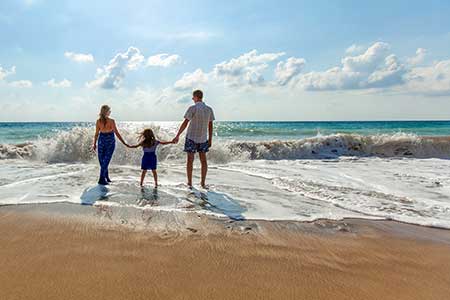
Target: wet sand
[{"x": 47, "y": 257}]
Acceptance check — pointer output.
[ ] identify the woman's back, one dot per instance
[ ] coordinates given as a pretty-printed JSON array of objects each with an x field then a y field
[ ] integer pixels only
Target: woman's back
[{"x": 105, "y": 126}]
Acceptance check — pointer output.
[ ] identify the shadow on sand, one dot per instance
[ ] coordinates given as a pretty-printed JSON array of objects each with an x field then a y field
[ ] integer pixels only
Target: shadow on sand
[
  {"x": 92, "y": 194},
  {"x": 223, "y": 204}
]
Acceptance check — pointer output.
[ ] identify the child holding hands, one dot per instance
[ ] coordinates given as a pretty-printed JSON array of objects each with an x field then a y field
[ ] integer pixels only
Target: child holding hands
[{"x": 149, "y": 144}]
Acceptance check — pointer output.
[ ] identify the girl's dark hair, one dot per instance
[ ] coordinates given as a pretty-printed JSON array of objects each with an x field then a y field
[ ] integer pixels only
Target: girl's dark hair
[{"x": 147, "y": 138}]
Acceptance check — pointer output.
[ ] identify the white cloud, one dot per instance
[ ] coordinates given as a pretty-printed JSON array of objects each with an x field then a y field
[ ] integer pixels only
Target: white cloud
[
  {"x": 79, "y": 57},
  {"x": 286, "y": 71},
  {"x": 191, "y": 80},
  {"x": 21, "y": 84},
  {"x": 354, "y": 49},
  {"x": 111, "y": 75},
  {"x": 246, "y": 69},
  {"x": 62, "y": 84},
  {"x": 389, "y": 75},
  {"x": 183, "y": 99},
  {"x": 375, "y": 68},
  {"x": 368, "y": 61},
  {"x": 163, "y": 60},
  {"x": 431, "y": 80},
  {"x": 5, "y": 73},
  {"x": 419, "y": 57}
]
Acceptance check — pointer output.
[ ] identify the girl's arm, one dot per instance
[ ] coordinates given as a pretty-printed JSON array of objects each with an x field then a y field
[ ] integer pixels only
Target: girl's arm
[
  {"x": 134, "y": 146},
  {"x": 97, "y": 130},
  {"x": 165, "y": 142},
  {"x": 116, "y": 131}
]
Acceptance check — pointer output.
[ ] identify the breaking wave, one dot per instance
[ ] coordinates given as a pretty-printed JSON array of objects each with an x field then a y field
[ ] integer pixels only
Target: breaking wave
[{"x": 74, "y": 146}]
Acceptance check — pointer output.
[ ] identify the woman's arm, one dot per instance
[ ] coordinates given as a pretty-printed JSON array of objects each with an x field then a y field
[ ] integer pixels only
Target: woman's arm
[
  {"x": 134, "y": 146},
  {"x": 116, "y": 131},
  {"x": 97, "y": 130},
  {"x": 165, "y": 142}
]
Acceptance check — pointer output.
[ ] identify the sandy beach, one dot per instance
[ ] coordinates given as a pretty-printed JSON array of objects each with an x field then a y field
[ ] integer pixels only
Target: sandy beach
[{"x": 45, "y": 255}]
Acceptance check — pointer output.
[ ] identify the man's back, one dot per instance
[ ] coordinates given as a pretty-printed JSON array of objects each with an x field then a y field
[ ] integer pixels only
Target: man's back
[{"x": 199, "y": 116}]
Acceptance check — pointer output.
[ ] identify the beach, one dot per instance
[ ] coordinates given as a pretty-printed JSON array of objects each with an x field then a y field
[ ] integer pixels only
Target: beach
[
  {"x": 49, "y": 255},
  {"x": 289, "y": 214}
]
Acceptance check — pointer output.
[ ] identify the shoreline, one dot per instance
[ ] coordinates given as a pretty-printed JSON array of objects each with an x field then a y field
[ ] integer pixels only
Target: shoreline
[{"x": 82, "y": 255}]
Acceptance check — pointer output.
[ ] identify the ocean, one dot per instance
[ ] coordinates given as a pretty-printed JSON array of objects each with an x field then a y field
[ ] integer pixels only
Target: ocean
[{"x": 302, "y": 171}]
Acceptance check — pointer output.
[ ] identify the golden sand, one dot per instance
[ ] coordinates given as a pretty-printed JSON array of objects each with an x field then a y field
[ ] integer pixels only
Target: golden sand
[{"x": 46, "y": 258}]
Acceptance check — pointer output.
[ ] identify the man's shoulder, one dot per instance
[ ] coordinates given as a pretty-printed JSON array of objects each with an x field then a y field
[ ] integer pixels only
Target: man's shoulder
[{"x": 208, "y": 107}]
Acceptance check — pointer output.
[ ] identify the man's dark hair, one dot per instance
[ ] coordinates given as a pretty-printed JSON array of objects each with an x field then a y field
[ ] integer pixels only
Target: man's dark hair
[{"x": 198, "y": 93}]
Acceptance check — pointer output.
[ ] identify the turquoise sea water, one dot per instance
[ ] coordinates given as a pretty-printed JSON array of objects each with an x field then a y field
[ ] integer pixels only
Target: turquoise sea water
[
  {"x": 259, "y": 170},
  {"x": 26, "y": 132}
]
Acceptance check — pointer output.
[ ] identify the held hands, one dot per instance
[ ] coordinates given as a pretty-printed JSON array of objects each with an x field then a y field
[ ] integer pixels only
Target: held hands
[{"x": 175, "y": 140}]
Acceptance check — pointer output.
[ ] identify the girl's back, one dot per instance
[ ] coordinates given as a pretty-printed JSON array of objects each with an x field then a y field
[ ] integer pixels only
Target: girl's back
[{"x": 152, "y": 148}]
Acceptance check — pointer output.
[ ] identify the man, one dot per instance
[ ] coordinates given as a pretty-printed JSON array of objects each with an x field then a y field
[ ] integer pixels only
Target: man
[{"x": 200, "y": 119}]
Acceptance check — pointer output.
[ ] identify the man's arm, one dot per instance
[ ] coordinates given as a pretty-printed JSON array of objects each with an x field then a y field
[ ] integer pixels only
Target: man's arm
[
  {"x": 210, "y": 133},
  {"x": 180, "y": 131}
]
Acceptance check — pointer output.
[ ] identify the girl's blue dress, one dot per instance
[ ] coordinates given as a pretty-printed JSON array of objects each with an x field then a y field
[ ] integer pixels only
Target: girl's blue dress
[{"x": 149, "y": 160}]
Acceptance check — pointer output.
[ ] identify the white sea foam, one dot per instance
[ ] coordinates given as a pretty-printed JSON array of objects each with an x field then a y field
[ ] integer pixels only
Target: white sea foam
[
  {"x": 333, "y": 176},
  {"x": 404, "y": 189},
  {"x": 74, "y": 146}
]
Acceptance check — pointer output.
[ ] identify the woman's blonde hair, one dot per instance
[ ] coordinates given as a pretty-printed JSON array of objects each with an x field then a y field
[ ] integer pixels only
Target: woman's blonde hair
[
  {"x": 104, "y": 110},
  {"x": 147, "y": 138}
]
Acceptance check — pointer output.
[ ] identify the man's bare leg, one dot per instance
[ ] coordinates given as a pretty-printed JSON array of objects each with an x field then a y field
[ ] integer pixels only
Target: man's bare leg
[
  {"x": 204, "y": 164},
  {"x": 189, "y": 167}
]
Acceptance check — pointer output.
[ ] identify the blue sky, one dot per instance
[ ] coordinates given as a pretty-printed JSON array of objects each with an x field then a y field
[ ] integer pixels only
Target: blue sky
[{"x": 255, "y": 60}]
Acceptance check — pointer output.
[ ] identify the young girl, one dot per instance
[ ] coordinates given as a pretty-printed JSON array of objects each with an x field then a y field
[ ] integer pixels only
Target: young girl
[{"x": 148, "y": 143}]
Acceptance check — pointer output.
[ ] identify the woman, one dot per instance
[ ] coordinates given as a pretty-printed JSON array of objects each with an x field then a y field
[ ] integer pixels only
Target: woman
[{"x": 105, "y": 129}]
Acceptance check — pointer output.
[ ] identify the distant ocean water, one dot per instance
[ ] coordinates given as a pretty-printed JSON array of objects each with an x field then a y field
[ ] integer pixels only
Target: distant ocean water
[
  {"x": 18, "y": 132},
  {"x": 302, "y": 171}
]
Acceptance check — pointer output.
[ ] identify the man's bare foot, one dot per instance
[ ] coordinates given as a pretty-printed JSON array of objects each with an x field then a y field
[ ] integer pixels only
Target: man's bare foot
[{"x": 205, "y": 186}]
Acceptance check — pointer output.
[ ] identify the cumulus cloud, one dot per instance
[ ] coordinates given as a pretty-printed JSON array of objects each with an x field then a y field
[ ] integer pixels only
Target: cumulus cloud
[
  {"x": 21, "y": 84},
  {"x": 191, "y": 80},
  {"x": 246, "y": 69},
  {"x": 163, "y": 60},
  {"x": 367, "y": 61},
  {"x": 354, "y": 49},
  {"x": 286, "y": 71},
  {"x": 5, "y": 73},
  {"x": 183, "y": 99},
  {"x": 79, "y": 57},
  {"x": 62, "y": 84},
  {"x": 431, "y": 80},
  {"x": 419, "y": 57},
  {"x": 375, "y": 68},
  {"x": 112, "y": 75}
]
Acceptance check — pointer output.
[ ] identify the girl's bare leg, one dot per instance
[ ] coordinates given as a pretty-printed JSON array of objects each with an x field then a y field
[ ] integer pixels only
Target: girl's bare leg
[
  {"x": 155, "y": 177},
  {"x": 143, "y": 176}
]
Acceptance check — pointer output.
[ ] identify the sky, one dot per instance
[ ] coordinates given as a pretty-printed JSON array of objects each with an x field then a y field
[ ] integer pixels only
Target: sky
[{"x": 254, "y": 60}]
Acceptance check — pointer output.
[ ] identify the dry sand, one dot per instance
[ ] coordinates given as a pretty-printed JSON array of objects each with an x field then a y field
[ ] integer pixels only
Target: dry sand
[{"x": 45, "y": 257}]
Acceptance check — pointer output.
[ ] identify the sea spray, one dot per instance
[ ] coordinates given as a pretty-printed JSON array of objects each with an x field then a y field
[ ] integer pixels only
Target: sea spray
[{"x": 74, "y": 145}]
